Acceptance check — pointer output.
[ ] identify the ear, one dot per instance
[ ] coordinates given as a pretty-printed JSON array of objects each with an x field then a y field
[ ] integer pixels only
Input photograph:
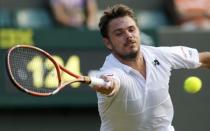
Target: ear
[{"x": 107, "y": 43}]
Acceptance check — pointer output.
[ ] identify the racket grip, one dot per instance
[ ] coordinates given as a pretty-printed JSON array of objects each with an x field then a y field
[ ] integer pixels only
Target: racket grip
[{"x": 98, "y": 82}]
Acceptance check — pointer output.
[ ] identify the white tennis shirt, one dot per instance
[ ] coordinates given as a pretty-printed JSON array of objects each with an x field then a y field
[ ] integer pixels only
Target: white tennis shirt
[{"x": 143, "y": 104}]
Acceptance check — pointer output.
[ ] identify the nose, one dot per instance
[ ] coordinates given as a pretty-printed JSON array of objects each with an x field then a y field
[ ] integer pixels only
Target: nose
[{"x": 129, "y": 35}]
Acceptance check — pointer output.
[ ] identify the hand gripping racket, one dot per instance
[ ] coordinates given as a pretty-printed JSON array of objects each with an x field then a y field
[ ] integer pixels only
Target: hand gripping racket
[{"x": 22, "y": 58}]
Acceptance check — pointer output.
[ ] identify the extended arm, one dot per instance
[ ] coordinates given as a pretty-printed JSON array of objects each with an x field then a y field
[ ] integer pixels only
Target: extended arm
[{"x": 204, "y": 59}]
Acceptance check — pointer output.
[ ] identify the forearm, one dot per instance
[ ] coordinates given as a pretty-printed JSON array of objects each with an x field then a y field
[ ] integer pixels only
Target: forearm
[{"x": 205, "y": 59}]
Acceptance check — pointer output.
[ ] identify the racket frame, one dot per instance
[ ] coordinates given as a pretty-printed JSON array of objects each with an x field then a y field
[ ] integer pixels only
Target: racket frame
[{"x": 84, "y": 79}]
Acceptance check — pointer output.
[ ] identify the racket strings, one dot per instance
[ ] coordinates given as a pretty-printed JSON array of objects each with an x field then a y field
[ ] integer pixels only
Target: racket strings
[{"x": 33, "y": 70}]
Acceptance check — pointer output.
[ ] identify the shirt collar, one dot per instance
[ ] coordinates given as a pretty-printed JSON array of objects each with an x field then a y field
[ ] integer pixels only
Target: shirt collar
[{"x": 117, "y": 63}]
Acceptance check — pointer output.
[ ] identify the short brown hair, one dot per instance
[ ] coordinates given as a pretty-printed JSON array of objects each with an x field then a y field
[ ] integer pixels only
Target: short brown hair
[{"x": 116, "y": 11}]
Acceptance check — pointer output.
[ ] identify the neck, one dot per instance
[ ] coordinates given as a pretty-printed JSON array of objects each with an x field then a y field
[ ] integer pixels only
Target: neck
[{"x": 135, "y": 63}]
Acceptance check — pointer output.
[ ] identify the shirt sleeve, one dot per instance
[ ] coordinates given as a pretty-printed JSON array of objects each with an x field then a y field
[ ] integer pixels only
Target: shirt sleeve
[{"x": 181, "y": 57}]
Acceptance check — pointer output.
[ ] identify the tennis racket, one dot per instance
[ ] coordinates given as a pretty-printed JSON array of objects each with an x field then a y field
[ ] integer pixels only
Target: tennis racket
[{"x": 21, "y": 59}]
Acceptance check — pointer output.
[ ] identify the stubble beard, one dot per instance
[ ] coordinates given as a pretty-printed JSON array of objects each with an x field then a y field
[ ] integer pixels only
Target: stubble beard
[{"x": 128, "y": 57}]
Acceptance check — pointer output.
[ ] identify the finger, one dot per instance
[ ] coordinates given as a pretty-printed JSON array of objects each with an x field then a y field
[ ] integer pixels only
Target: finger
[{"x": 106, "y": 78}]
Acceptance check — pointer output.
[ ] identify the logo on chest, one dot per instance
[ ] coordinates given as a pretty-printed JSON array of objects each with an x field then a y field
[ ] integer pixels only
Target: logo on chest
[{"x": 155, "y": 62}]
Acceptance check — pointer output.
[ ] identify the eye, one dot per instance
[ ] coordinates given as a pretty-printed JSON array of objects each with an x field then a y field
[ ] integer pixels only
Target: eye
[
  {"x": 132, "y": 29},
  {"x": 118, "y": 33}
]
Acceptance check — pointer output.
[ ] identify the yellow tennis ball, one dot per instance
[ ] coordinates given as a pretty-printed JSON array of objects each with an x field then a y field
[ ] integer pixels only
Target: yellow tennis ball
[{"x": 192, "y": 84}]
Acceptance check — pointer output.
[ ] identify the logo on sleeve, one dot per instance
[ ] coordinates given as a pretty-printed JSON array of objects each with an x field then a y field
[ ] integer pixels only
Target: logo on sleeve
[
  {"x": 190, "y": 53},
  {"x": 182, "y": 49},
  {"x": 109, "y": 74}
]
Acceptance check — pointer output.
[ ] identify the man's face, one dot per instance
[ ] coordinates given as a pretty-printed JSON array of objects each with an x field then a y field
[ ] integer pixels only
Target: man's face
[{"x": 123, "y": 37}]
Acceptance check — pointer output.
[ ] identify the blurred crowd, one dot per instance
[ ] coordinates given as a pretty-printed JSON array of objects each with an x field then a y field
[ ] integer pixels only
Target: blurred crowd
[
  {"x": 75, "y": 13},
  {"x": 193, "y": 14},
  {"x": 79, "y": 14}
]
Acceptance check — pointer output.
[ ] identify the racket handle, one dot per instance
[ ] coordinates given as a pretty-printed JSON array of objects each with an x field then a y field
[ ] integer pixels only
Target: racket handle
[{"x": 98, "y": 82}]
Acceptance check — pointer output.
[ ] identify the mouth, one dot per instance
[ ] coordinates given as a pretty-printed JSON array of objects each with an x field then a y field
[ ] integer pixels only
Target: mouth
[{"x": 130, "y": 43}]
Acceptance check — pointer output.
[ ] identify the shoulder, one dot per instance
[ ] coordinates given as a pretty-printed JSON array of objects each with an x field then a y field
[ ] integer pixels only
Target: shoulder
[
  {"x": 162, "y": 54},
  {"x": 151, "y": 50},
  {"x": 110, "y": 63},
  {"x": 164, "y": 50},
  {"x": 155, "y": 49}
]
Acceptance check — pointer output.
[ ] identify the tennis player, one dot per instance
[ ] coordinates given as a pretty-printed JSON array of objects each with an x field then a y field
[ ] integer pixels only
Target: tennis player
[{"x": 138, "y": 98}]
